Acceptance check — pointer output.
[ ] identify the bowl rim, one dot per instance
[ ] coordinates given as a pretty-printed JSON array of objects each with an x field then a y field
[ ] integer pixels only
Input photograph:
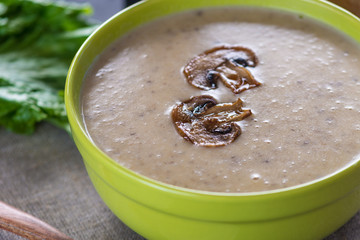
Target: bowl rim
[{"x": 78, "y": 129}]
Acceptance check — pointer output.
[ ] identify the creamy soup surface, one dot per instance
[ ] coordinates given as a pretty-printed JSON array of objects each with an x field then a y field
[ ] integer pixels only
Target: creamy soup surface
[{"x": 305, "y": 121}]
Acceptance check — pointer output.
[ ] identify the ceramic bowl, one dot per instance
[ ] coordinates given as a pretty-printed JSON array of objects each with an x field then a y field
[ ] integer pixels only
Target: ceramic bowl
[{"x": 161, "y": 211}]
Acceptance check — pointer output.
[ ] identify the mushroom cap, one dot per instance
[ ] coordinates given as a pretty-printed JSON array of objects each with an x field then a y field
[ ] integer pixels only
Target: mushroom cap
[
  {"x": 204, "y": 122},
  {"x": 199, "y": 135},
  {"x": 204, "y": 70}
]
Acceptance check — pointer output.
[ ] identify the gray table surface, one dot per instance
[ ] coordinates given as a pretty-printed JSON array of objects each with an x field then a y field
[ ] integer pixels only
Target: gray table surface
[{"x": 43, "y": 174}]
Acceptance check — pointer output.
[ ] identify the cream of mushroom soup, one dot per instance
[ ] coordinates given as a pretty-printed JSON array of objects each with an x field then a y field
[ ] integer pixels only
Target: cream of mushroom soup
[{"x": 305, "y": 109}]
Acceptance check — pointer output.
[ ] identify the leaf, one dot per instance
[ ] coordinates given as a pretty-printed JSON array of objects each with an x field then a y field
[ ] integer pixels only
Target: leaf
[{"x": 38, "y": 41}]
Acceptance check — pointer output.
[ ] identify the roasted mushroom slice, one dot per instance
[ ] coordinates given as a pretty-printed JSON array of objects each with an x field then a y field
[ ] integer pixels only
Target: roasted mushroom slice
[
  {"x": 227, "y": 63},
  {"x": 195, "y": 106},
  {"x": 204, "y": 122},
  {"x": 235, "y": 77}
]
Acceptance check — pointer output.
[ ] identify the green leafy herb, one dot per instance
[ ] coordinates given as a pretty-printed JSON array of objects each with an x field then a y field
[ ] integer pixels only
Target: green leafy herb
[{"x": 38, "y": 39}]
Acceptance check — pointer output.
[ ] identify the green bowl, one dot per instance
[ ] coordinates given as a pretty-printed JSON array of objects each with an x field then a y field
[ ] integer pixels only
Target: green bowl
[{"x": 160, "y": 211}]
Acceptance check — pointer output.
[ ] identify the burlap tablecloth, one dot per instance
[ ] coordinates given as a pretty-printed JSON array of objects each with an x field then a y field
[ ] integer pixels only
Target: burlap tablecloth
[{"x": 43, "y": 175}]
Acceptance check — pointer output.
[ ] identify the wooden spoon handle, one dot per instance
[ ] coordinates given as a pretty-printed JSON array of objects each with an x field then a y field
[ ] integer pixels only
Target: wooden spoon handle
[{"x": 25, "y": 225}]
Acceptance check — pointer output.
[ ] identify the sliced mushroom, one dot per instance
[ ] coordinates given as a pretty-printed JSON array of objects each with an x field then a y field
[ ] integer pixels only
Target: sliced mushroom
[
  {"x": 227, "y": 63},
  {"x": 204, "y": 122},
  {"x": 235, "y": 77},
  {"x": 227, "y": 112}
]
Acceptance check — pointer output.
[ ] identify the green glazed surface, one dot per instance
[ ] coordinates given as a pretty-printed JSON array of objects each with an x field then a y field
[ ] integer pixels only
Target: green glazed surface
[{"x": 160, "y": 211}]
